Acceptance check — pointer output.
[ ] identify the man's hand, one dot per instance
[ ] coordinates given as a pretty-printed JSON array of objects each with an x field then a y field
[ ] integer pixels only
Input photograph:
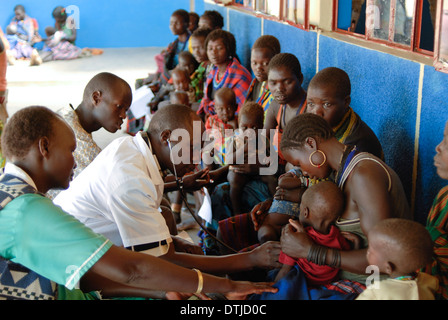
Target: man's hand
[
  {"x": 259, "y": 212},
  {"x": 195, "y": 181}
]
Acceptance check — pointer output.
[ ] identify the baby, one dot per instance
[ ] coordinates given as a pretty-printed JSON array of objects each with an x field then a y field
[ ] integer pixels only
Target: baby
[
  {"x": 321, "y": 205},
  {"x": 225, "y": 108},
  {"x": 179, "y": 81},
  {"x": 399, "y": 248}
]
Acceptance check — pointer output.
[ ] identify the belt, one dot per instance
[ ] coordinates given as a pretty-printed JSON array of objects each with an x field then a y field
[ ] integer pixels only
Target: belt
[{"x": 147, "y": 246}]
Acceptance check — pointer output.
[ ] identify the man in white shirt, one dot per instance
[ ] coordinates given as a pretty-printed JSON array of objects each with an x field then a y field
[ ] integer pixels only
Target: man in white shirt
[{"x": 119, "y": 193}]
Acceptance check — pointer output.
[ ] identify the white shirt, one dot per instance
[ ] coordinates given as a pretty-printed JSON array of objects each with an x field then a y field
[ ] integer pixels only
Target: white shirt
[{"x": 118, "y": 195}]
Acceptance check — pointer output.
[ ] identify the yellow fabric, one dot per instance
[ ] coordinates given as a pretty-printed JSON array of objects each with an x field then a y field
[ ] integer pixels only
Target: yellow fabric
[{"x": 422, "y": 288}]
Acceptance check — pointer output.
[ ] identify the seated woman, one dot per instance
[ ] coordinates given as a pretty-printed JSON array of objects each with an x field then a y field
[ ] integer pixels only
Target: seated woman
[
  {"x": 199, "y": 52},
  {"x": 65, "y": 29},
  {"x": 373, "y": 191},
  {"x": 227, "y": 71},
  {"x": 263, "y": 50},
  {"x": 437, "y": 221},
  {"x": 329, "y": 97},
  {"x": 22, "y": 36}
]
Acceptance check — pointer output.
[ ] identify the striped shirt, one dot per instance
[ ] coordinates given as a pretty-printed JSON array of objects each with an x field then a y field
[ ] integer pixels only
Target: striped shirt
[
  {"x": 237, "y": 77},
  {"x": 437, "y": 225}
]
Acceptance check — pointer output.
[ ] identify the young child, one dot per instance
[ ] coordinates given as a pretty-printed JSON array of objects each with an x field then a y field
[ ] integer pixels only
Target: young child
[
  {"x": 251, "y": 116},
  {"x": 179, "y": 81},
  {"x": 399, "y": 248},
  {"x": 321, "y": 205},
  {"x": 188, "y": 61},
  {"x": 225, "y": 108}
]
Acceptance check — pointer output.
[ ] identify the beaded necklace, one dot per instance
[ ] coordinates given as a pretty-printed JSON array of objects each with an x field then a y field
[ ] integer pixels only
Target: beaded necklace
[
  {"x": 217, "y": 84},
  {"x": 407, "y": 277},
  {"x": 347, "y": 155}
]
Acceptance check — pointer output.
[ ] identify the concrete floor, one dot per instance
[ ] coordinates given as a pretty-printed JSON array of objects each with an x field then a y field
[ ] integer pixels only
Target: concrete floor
[{"x": 58, "y": 83}]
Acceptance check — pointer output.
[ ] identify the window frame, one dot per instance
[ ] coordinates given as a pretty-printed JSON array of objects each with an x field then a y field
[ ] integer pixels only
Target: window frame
[
  {"x": 438, "y": 64},
  {"x": 416, "y": 29},
  {"x": 282, "y": 16}
]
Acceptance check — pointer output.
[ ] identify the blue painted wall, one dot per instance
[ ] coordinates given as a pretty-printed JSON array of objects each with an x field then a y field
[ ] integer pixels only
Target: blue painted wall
[
  {"x": 385, "y": 88},
  {"x": 109, "y": 23},
  {"x": 385, "y": 93}
]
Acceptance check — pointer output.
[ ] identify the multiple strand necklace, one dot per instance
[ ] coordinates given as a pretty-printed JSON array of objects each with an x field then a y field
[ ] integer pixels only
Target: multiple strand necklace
[
  {"x": 347, "y": 155},
  {"x": 217, "y": 84}
]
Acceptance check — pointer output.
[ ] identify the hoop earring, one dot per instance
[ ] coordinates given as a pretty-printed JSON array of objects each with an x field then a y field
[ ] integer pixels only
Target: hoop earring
[{"x": 318, "y": 165}]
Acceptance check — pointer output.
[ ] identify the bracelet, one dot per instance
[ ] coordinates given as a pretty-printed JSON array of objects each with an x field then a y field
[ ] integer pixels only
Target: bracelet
[
  {"x": 317, "y": 254},
  {"x": 336, "y": 263},
  {"x": 200, "y": 281}
]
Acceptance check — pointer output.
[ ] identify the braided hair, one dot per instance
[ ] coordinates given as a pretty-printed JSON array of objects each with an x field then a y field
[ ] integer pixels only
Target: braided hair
[
  {"x": 286, "y": 60},
  {"x": 303, "y": 126}
]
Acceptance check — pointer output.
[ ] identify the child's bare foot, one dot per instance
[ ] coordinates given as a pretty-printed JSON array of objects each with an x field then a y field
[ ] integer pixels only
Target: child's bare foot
[
  {"x": 35, "y": 59},
  {"x": 10, "y": 57}
]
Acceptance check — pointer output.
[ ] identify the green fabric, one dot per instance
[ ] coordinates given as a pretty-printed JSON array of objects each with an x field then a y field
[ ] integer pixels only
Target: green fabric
[
  {"x": 76, "y": 294},
  {"x": 42, "y": 237}
]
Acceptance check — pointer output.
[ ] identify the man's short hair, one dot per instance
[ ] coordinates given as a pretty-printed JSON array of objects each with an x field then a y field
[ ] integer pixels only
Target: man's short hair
[{"x": 24, "y": 128}]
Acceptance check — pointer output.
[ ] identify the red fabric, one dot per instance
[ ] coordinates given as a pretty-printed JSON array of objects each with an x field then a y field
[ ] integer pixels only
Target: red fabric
[
  {"x": 213, "y": 122},
  {"x": 238, "y": 79},
  {"x": 319, "y": 275}
]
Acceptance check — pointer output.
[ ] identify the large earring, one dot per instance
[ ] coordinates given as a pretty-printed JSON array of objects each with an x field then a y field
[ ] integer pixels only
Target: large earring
[{"x": 318, "y": 165}]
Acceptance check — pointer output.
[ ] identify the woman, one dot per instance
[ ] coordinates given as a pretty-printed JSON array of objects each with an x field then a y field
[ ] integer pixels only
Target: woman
[
  {"x": 22, "y": 35},
  {"x": 373, "y": 191},
  {"x": 437, "y": 220},
  {"x": 227, "y": 71},
  {"x": 263, "y": 50},
  {"x": 328, "y": 96}
]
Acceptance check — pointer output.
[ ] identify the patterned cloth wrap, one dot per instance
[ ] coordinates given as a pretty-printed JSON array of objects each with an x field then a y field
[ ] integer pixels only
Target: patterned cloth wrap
[
  {"x": 16, "y": 281},
  {"x": 289, "y": 207}
]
